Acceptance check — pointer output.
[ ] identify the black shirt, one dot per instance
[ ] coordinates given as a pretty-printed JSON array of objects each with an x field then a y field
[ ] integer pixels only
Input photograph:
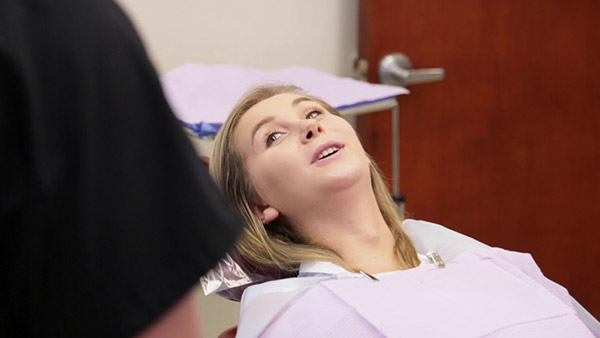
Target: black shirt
[{"x": 107, "y": 216}]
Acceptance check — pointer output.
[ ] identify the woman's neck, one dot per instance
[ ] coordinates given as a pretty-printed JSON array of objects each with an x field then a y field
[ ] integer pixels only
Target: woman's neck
[{"x": 352, "y": 225}]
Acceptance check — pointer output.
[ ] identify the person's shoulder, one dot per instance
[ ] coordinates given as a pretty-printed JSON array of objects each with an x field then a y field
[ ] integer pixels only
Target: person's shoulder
[
  {"x": 433, "y": 237},
  {"x": 262, "y": 302},
  {"x": 281, "y": 287}
]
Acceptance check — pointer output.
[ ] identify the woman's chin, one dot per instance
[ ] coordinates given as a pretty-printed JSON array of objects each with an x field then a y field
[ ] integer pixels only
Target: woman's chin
[{"x": 346, "y": 178}]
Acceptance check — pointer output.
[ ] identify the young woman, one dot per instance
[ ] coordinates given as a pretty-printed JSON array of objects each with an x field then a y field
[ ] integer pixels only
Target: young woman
[{"x": 316, "y": 205}]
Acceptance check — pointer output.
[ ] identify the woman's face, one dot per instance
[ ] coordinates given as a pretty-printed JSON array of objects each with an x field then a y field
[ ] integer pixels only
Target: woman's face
[{"x": 296, "y": 153}]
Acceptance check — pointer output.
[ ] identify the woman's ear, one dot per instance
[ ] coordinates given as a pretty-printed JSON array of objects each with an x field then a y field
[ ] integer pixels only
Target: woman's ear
[{"x": 266, "y": 213}]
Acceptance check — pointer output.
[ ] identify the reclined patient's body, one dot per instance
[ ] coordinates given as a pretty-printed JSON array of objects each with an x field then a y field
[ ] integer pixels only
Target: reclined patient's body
[{"x": 315, "y": 203}]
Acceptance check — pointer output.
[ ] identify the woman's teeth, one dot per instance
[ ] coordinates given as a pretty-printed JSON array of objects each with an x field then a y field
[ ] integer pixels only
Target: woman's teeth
[{"x": 328, "y": 152}]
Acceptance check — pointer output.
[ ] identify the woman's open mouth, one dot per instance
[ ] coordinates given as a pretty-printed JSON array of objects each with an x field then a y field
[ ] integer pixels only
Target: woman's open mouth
[{"x": 326, "y": 150}]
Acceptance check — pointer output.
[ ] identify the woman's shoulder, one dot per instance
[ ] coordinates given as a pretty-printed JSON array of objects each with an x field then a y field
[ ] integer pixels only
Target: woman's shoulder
[
  {"x": 432, "y": 237},
  {"x": 280, "y": 286},
  {"x": 262, "y": 302}
]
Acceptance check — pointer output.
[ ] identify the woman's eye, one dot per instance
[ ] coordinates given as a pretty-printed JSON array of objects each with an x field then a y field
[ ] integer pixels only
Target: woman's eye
[
  {"x": 313, "y": 114},
  {"x": 272, "y": 138}
]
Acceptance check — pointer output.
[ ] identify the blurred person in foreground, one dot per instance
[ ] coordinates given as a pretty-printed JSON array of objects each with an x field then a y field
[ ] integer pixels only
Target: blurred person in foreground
[{"x": 107, "y": 216}]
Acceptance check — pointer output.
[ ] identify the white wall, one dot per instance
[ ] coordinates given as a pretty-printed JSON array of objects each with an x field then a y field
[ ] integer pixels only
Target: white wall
[
  {"x": 266, "y": 34},
  {"x": 269, "y": 34}
]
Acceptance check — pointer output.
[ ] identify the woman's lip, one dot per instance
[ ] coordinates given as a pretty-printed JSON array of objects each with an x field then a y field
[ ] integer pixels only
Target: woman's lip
[{"x": 324, "y": 146}]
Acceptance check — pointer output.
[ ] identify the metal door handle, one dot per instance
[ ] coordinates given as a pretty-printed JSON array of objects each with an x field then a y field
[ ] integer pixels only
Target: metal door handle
[{"x": 396, "y": 69}]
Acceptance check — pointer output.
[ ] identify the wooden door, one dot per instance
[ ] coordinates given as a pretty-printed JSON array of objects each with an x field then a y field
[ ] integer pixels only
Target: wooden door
[{"x": 506, "y": 148}]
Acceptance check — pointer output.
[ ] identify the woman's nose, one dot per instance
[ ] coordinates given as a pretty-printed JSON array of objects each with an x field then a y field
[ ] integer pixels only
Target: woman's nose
[{"x": 312, "y": 129}]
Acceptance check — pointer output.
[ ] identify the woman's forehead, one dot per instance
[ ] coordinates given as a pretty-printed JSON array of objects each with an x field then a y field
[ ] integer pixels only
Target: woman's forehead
[
  {"x": 276, "y": 102},
  {"x": 274, "y": 106}
]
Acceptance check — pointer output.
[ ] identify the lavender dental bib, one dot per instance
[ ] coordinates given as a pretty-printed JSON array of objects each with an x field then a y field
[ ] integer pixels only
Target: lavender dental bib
[{"x": 492, "y": 292}]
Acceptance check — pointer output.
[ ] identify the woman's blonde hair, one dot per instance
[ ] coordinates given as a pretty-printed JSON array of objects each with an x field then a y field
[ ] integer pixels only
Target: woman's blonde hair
[{"x": 277, "y": 244}]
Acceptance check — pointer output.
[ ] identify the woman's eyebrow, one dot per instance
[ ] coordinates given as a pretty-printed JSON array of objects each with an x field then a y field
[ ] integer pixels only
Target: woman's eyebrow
[
  {"x": 301, "y": 99},
  {"x": 260, "y": 124}
]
